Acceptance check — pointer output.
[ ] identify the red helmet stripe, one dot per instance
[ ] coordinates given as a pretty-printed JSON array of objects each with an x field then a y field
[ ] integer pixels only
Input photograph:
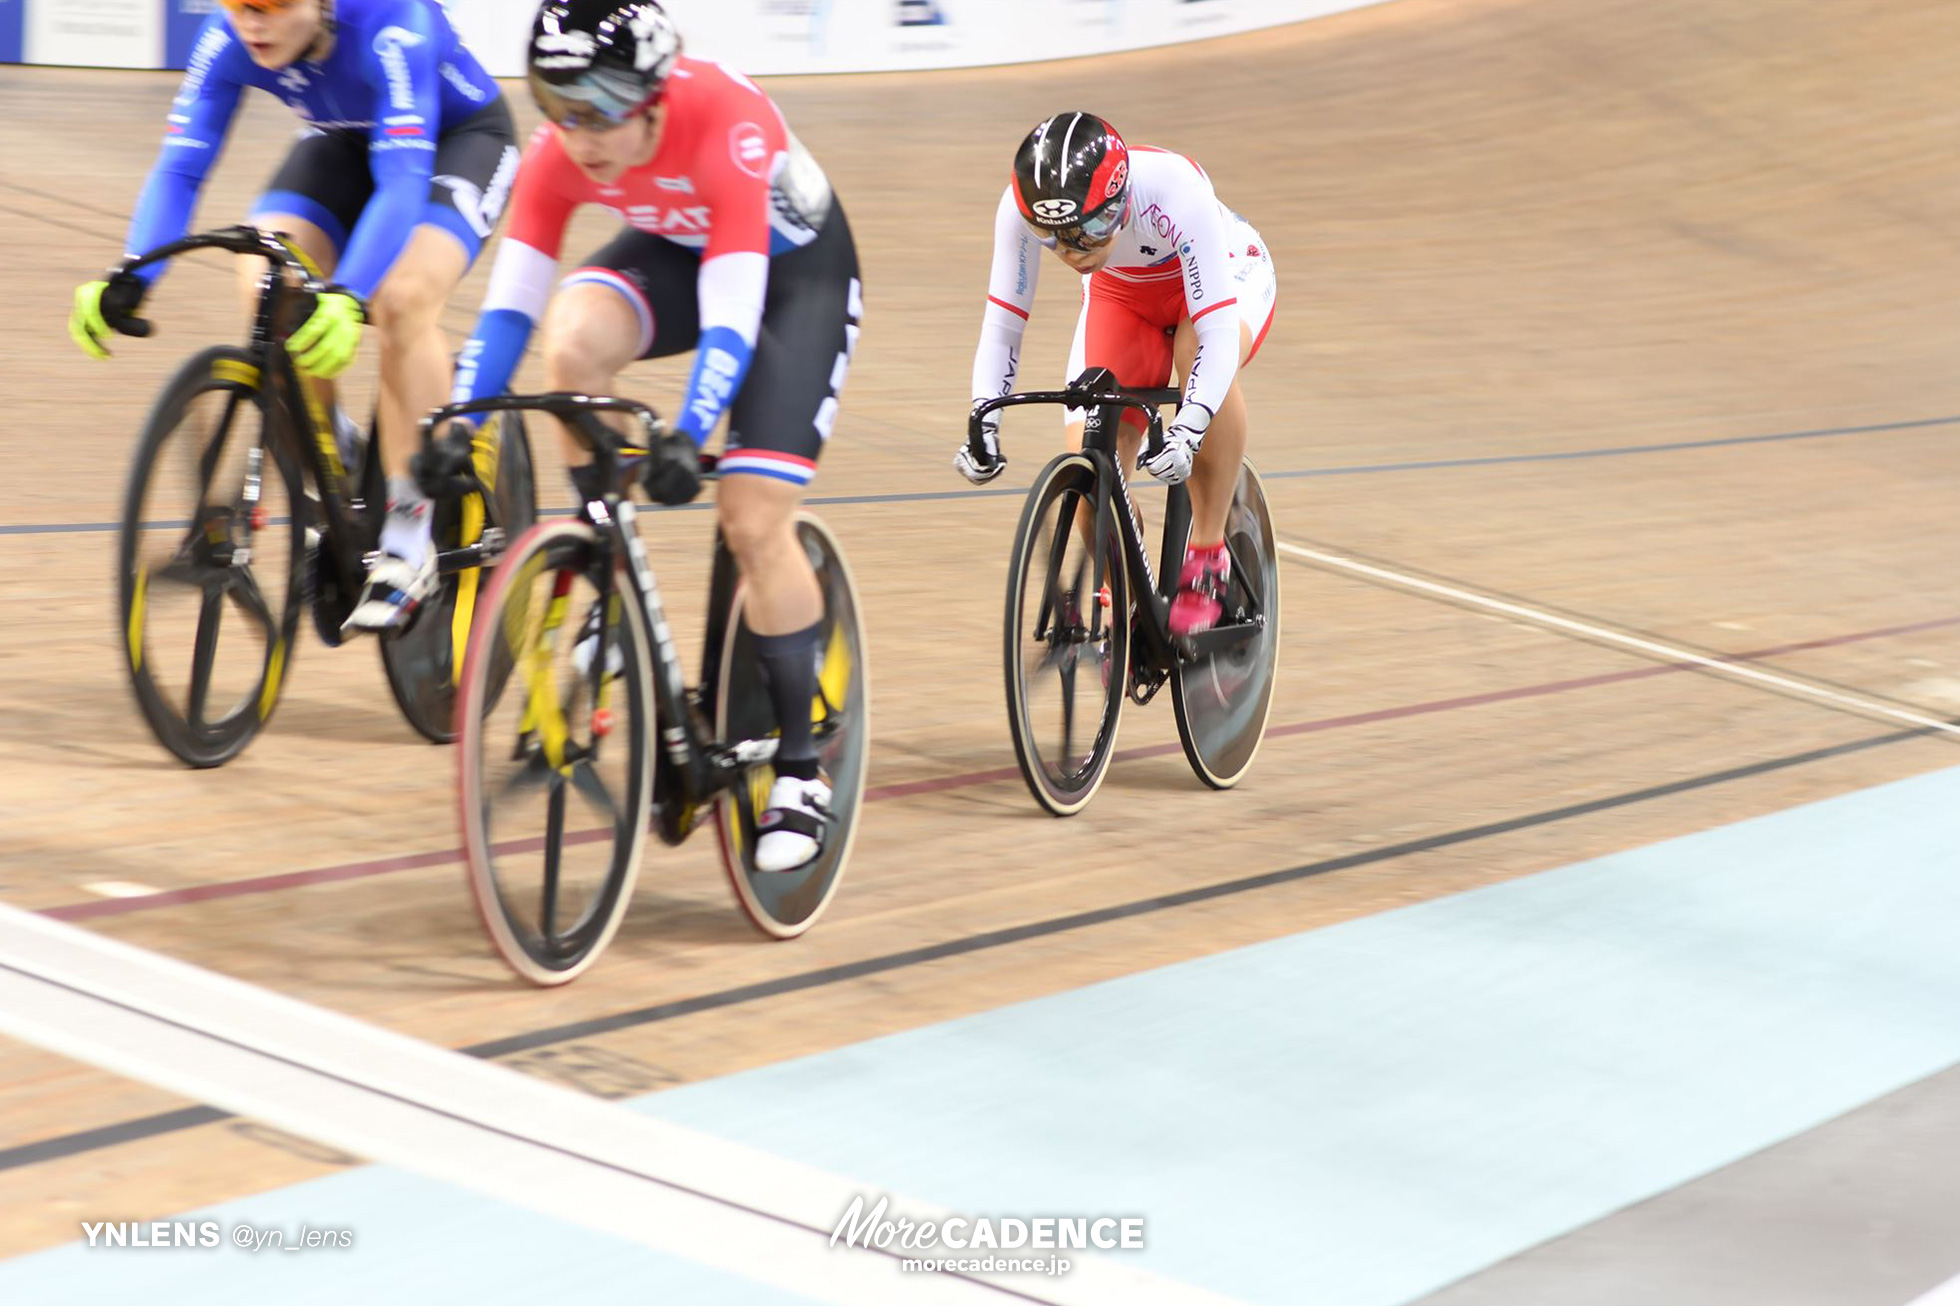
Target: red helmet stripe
[
  {"x": 1020, "y": 200},
  {"x": 1110, "y": 176}
]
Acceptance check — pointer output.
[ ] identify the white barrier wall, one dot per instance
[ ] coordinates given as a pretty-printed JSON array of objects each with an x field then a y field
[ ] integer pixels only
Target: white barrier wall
[
  {"x": 109, "y": 33},
  {"x": 763, "y": 37},
  {"x": 768, "y": 37}
]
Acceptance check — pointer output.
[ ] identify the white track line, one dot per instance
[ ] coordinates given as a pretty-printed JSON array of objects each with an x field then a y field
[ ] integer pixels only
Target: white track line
[
  {"x": 1947, "y": 1294},
  {"x": 1652, "y": 648},
  {"x": 484, "y": 1127}
]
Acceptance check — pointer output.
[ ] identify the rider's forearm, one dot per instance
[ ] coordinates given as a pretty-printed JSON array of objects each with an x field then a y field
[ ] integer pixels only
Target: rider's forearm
[{"x": 163, "y": 214}]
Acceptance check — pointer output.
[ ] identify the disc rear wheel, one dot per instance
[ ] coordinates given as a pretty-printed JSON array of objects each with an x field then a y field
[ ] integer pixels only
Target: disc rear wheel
[
  {"x": 1223, "y": 700},
  {"x": 424, "y": 662},
  {"x": 783, "y": 904}
]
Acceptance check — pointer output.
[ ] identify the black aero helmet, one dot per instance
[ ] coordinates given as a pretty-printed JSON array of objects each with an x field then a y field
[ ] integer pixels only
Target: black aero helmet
[
  {"x": 596, "y": 62},
  {"x": 1072, "y": 178}
]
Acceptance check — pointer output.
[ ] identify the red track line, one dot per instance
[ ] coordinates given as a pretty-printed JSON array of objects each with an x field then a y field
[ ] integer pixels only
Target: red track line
[{"x": 907, "y": 789}]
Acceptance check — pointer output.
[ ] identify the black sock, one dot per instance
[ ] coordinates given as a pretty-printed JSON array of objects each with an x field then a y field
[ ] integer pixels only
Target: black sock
[{"x": 789, "y": 664}]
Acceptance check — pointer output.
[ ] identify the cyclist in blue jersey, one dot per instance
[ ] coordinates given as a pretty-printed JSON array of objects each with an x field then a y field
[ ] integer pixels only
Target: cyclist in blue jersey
[{"x": 397, "y": 179}]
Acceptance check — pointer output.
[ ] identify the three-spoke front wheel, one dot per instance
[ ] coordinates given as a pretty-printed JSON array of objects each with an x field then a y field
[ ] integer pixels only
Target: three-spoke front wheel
[
  {"x": 211, "y": 559},
  {"x": 556, "y": 729},
  {"x": 1067, "y": 637}
]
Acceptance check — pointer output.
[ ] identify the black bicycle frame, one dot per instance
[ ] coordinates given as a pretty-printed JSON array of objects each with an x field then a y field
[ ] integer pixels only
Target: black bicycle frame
[
  {"x": 340, "y": 502},
  {"x": 1104, "y": 403},
  {"x": 613, "y": 517}
]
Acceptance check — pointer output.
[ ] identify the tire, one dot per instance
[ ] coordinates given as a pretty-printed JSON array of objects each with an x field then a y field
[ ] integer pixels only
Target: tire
[
  {"x": 784, "y": 904},
  {"x": 1223, "y": 701},
  {"x": 242, "y": 551},
  {"x": 421, "y": 663},
  {"x": 521, "y": 662},
  {"x": 1051, "y": 563}
]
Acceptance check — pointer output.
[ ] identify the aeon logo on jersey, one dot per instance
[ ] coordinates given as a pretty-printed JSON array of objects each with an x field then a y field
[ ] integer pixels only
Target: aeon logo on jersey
[
  {"x": 389, "y": 43},
  {"x": 1160, "y": 222},
  {"x": 749, "y": 148},
  {"x": 1053, "y": 210}
]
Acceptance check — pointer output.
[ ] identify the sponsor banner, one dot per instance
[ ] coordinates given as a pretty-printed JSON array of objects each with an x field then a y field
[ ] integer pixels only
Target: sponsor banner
[
  {"x": 762, "y": 37},
  {"x": 181, "y": 21},
  {"x": 96, "y": 33},
  {"x": 10, "y": 30},
  {"x": 11, "y": 25}
]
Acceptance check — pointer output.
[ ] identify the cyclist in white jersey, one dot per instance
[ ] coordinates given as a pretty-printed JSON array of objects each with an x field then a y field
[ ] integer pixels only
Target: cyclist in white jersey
[{"x": 1171, "y": 278}]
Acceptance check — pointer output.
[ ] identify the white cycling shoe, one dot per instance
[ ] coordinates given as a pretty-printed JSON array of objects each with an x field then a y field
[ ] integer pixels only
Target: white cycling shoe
[{"x": 794, "y": 825}]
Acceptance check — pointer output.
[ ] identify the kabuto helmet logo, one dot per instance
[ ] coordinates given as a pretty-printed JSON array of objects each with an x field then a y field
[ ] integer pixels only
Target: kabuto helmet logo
[{"x": 1072, "y": 170}]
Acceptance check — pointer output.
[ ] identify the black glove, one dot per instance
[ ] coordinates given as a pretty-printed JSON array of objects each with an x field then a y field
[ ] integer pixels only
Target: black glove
[
  {"x": 445, "y": 467},
  {"x": 673, "y": 474},
  {"x": 120, "y": 302},
  {"x": 104, "y": 306}
]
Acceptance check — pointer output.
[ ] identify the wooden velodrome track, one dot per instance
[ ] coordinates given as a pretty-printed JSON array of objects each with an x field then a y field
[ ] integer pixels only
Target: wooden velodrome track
[{"x": 1546, "y": 271}]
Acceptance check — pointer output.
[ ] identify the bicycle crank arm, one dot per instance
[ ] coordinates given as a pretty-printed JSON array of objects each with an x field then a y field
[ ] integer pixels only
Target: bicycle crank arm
[
  {"x": 484, "y": 551},
  {"x": 1219, "y": 639}
]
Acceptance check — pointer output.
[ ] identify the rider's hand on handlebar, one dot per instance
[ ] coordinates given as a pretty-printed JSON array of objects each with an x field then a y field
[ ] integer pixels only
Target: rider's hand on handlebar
[
  {"x": 988, "y": 462},
  {"x": 105, "y": 306},
  {"x": 1172, "y": 463},
  {"x": 327, "y": 341},
  {"x": 672, "y": 476},
  {"x": 445, "y": 468}
]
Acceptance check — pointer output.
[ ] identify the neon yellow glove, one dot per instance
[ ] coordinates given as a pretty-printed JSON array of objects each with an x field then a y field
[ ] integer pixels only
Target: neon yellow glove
[
  {"x": 105, "y": 306},
  {"x": 326, "y": 342}
]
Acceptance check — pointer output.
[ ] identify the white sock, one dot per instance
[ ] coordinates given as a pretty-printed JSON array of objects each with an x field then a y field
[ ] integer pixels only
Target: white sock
[{"x": 406, "y": 532}]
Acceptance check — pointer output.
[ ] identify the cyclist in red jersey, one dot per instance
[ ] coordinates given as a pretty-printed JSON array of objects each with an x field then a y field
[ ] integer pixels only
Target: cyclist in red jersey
[
  {"x": 734, "y": 247},
  {"x": 1170, "y": 278}
]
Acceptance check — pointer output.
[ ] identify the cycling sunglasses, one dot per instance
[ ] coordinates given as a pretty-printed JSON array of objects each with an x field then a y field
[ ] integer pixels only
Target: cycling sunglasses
[
  {"x": 1094, "y": 231},
  {"x": 596, "y": 103},
  {"x": 258, "y": 6}
]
